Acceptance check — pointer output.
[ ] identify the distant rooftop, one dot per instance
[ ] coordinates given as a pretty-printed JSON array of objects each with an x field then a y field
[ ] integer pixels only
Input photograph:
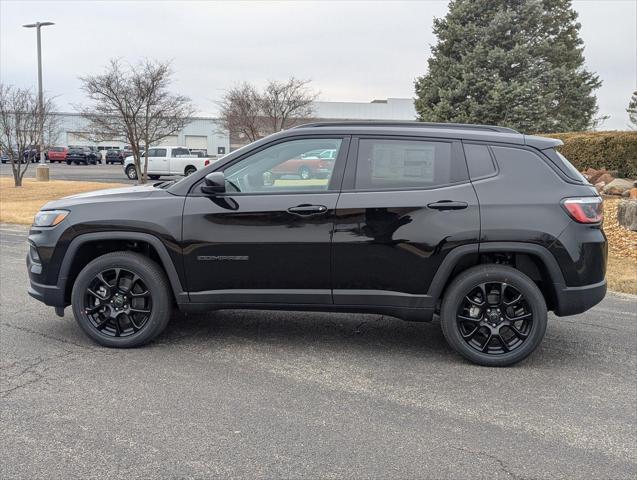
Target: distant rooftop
[{"x": 378, "y": 109}]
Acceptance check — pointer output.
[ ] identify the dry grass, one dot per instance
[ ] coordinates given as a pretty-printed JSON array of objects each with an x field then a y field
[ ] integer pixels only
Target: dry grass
[
  {"x": 19, "y": 205},
  {"x": 622, "y": 251}
]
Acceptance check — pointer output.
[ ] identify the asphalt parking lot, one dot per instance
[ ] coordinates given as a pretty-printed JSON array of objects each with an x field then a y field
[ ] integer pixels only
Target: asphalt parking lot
[
  {"x": 270, "y": 395},
  {"x": 86, "y": 173}
]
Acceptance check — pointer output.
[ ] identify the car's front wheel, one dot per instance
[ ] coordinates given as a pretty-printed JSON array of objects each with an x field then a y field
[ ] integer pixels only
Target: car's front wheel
[
  {"x": 493, "y": 315},
  {"x": 305, "y": 173},
  {"x": 131, "y": 172},
  {"x": 122, "y": 299}
]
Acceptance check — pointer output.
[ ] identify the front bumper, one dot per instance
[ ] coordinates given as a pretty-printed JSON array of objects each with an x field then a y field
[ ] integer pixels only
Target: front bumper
[
  {"x": 574, "y": 300},
  {"x": 52, "y": 295}
]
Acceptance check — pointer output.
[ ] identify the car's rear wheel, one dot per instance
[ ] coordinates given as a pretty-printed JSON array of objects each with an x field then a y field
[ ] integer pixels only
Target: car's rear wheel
[
  {"x": 305, "y": 173},
  {"x": 122, "y": 299},
  {"x": 189, "y": 170},
  {"x": 131, "y": 172},
  {"x": 493, "y": 315},
  {"x": 153, "y": 177}
]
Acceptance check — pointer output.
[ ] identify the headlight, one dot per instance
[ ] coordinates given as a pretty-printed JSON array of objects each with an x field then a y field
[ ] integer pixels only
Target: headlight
[{"x": 49, "y": 218}]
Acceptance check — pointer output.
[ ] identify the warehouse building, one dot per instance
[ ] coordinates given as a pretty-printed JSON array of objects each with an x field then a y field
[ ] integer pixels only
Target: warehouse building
[
  {"x": 202, "y": 134},
  {"x": 206, "y": 134}
]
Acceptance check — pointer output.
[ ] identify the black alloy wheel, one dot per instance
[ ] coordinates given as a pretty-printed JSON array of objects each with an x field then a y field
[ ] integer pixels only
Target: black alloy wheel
[
  {"x": 117, "y": 302},
  {"x": 122, "y": 299},
  {"x": 494, "y": 318},
  {"x": 493, "y": 315}
]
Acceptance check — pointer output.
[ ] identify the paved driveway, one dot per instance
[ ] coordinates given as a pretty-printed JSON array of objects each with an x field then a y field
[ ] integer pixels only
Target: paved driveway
[
  {"x": 87, "y": 173},
  {"x": 270, "y": 395}
]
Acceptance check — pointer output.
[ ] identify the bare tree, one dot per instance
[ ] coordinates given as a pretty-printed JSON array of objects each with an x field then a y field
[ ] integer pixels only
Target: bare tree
[
  {"x": 244, "y": 110},
  {"x": 283, "y": 101},
  {"x": 241, "y": 111},
  {"x": 133, "y": 104},
  {"x": 20, "y": 127}
]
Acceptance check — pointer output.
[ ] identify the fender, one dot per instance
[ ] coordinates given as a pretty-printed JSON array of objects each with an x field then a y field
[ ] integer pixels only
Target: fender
[
  {"x": 454, "y": 256},
  {"x": 180, "y": 295}
]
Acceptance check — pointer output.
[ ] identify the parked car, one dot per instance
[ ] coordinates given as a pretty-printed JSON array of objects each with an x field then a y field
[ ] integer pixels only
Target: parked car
[
  {"x": 167, "y": 160},
  {"x": 79, "y": 155},
  {"x": 316, "y": 164},
  {"x": 115, "y": 156},
  {"x": 4, "y": 157},
  {"x": 480, "y": 226},
  {"x": 57, "y": 154}
]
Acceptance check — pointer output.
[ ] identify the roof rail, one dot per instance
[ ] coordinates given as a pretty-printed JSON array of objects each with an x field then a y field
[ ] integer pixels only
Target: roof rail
[{"x": 380, "y": 123}]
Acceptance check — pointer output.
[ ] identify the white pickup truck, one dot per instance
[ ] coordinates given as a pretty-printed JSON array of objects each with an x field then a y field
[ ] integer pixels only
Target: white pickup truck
[{"x": 166, "y": 160}]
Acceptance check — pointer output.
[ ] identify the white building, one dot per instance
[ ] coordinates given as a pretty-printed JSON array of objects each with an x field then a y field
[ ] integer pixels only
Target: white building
[
  {"x": 205, "y": 133},
  {"x": 201, "y": 133},
  {"x": 390, "y": 109}
]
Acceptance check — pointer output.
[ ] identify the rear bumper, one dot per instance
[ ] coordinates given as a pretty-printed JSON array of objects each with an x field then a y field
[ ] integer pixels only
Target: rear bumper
[{"x": 574, "y": 300}]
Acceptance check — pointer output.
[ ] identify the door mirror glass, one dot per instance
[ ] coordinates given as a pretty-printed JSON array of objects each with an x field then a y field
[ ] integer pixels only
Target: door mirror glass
[{"x": 214, "y": 182}]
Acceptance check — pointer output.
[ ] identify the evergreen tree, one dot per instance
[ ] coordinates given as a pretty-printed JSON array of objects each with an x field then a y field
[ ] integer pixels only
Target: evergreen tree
[
  {"x": 516, "y": 63},
  {"x": 632, "y": 110}
]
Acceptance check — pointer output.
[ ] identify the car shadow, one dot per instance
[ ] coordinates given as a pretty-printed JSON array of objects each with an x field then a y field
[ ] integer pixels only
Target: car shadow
[{"x": 300, "y": 330}]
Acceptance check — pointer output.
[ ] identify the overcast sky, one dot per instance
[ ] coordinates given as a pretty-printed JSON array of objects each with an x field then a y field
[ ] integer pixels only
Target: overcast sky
[{"x": 352, "y": 51}]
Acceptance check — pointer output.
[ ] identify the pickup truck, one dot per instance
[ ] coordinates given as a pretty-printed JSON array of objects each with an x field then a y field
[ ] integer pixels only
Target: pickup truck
[{"x": 167, "y": 160}]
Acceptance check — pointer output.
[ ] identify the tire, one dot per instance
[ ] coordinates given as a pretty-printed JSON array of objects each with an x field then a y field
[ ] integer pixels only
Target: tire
[
  {"x": 68, "y": 162},
  {"x": 117, "y": 329},
  {"x": 514, "y": 341},
  {"x": 305, "y": 173},
  {"x": 189, "y": 170},
  {"x": 131, "y": 173},
  {"x": 153, "y": 177}
]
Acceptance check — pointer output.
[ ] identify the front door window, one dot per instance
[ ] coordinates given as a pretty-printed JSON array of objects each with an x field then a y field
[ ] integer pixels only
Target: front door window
[{"x": 297, "y": 166}]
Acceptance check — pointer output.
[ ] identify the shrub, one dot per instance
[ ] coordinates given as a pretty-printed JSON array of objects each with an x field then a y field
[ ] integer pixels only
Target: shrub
[{"x": 609, "y": 150}]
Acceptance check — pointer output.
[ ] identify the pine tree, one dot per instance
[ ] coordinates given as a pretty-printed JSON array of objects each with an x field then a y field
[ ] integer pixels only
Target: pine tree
[
  {"x": 517, "y": 63},
  {"x": 632, "y": 110}
]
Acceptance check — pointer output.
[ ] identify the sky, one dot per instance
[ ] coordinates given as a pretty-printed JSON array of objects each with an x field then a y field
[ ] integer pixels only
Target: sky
[{"x": 352, "y": 51}]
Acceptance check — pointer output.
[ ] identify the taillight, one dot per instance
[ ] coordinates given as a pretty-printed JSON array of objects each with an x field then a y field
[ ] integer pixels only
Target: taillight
[
  {"x": 585, "y": 209},
  {"x": 206, "y": 163}
]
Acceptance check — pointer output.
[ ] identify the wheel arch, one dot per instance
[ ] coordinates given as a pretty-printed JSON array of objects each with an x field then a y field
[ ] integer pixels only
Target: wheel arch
[
  {"x": 89, "y": 246},
  {"x": 533, "y": 260}
]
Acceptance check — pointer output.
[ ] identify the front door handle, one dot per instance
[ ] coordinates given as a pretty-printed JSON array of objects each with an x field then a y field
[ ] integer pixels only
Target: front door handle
[
  {"x": 448, "y": 205},
  {"x": 306, "y": 209}
]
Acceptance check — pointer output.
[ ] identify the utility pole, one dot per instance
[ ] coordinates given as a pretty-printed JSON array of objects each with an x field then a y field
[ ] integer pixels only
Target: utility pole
[{"x": 42, "y": 171}]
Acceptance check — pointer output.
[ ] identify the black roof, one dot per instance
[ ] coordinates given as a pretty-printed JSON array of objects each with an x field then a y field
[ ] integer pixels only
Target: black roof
[
  {"x": 487, "y": 133},
  {"x": 407, "y": 124}
]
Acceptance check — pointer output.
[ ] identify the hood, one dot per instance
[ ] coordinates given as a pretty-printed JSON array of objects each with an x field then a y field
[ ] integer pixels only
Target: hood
[{"x": 107, "y": 195}]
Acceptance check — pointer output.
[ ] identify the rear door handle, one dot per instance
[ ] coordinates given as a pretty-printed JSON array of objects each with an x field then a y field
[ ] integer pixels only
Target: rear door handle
[
  {"x": 448, "y": 205},
  {"x": 307, "y": 209}
]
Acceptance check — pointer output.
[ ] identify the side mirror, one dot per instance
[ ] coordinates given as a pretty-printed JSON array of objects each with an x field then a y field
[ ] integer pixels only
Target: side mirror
[{"x": 214, "y": 183}]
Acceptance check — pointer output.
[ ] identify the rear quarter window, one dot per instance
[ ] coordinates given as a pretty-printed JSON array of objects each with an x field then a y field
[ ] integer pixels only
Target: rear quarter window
[{"x": 564, "y": 165}]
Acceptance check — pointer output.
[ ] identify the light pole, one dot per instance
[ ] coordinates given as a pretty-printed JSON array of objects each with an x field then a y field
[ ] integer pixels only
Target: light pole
[{"x": 42, "y": 171}]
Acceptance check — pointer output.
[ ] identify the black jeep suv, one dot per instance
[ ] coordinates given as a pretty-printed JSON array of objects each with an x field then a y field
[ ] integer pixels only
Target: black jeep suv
[{"x": 479, "y": 225}]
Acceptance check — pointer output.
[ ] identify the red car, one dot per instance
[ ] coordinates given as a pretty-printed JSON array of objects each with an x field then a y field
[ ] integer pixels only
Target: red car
[
  {"x": 57, "y": 154},
  {"x": 315, "y": 164}
]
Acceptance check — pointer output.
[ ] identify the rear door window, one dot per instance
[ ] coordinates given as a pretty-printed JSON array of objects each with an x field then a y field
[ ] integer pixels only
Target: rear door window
[
  {"x": 387, "y": 164},
  {"x": 479, "y": 161}
]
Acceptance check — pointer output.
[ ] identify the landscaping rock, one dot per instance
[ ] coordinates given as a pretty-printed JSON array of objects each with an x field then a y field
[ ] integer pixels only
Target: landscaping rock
[
  {"x": 632, "y": 193},
  {"x": 627, "y": 214},
  {"x": 617, "y": 186},
  {"x": 604, "y": 177}
]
